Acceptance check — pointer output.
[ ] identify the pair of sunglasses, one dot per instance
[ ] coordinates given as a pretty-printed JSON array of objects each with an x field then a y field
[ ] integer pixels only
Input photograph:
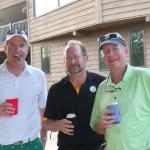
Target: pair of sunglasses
[
  {"x": 111, "y": 36},
  {"x": 11, "y": 32}
]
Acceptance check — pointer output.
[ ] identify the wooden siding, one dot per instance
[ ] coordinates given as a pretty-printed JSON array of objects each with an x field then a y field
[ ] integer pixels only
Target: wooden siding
[
  {"x": 57, "y": 46},
  {"x": 72, "y": 17},
  {"x": 83, "y": 14},
  {"x": 8, "y": 3},
  {"x": 124, "y": 9},
  {"x": 57, "y": 60}
]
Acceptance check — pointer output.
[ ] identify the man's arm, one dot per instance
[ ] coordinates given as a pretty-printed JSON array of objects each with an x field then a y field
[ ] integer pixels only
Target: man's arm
[
  {"x": 100, "y": 121},
  {"x": 63, "y": 125},
  {"x": 106, "y": 121},
  {"x": 43, "y": 131}
]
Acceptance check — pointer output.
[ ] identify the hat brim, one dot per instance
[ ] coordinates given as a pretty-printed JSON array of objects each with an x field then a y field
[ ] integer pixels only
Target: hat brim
[{"x": 110, "y": 42}]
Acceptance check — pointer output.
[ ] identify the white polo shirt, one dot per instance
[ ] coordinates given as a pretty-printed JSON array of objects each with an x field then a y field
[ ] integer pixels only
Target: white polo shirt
[{"x": 31, "y": 90}]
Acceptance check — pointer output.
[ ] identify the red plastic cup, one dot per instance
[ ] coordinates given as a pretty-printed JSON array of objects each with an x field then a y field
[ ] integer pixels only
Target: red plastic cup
[{"x": 14, "y": 102}]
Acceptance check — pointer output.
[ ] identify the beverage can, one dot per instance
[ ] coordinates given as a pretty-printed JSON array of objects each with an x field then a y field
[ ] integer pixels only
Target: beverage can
[
  {"x": 71, "y": 117},
  {"x": 115, "y": 107}
]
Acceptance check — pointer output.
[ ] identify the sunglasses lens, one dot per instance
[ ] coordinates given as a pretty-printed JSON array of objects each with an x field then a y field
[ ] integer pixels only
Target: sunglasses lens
[
  {"x": 113, "y": 36},
  {"x": 101, "y": 39},
  {"x": 10, "y": 32},
  {"x": 21, "y": 32}
]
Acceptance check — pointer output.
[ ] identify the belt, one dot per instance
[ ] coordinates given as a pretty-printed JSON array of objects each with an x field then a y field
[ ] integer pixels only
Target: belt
[{"x": 26, "y": 140}]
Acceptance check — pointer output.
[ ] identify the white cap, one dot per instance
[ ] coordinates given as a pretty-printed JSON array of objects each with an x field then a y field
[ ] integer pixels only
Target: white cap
[{"x": 13, "y": 33}]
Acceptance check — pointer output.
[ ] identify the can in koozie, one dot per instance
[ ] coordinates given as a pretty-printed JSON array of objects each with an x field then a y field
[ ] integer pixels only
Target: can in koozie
[
  {"x": 72, "y": 117},
  {"x": 114, "y": 106},
  {"x": 72, "y": 139}
]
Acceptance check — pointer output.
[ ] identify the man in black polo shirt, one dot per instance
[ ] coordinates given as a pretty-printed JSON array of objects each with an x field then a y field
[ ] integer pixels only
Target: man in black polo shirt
[{"x": 75, "y": 93}]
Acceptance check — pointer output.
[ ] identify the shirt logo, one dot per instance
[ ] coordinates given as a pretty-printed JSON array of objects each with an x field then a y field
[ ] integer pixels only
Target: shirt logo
[{"x": 92, "y": 89}]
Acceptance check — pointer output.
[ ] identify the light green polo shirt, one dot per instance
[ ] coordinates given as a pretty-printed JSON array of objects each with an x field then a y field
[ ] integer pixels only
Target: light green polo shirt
[{"x": 133, "y": 95}]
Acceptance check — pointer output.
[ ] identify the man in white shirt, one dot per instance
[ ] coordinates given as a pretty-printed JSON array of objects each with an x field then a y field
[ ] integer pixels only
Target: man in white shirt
[{"x": 27, "y": 84}]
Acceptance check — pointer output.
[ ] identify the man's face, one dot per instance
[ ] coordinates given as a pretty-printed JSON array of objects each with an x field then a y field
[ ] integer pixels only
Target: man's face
[
  {"x": 114, "y": 56},
  {"x": 16, "y": 50},
  {"x": 74, "y": 60}
]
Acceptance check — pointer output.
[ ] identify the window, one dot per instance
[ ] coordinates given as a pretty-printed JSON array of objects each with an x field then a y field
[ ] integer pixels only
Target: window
[
  {"x": 44, "y": 6},
  {"x": 64, "y": 2},
  {"x": 137, "y": 47},
  {"x": 45, "y": 59}
]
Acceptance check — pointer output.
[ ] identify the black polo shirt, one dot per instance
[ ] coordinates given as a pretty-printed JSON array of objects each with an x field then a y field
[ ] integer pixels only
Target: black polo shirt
[{"x": 63, "y": 99}]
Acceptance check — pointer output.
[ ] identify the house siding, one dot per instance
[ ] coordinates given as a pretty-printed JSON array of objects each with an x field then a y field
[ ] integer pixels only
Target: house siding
[
  {"x": 83, "y": 14},
  {"x": 57, "y": 45},
  {"x": 124, "y": 9},
  {"x": 74, "y": 16},
  {"x": 8, "y": 3},
  {"x": 89, "y": 18}
]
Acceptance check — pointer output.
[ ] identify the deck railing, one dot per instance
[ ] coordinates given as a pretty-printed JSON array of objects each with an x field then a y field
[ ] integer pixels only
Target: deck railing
[{"x": 19, "y": 25}]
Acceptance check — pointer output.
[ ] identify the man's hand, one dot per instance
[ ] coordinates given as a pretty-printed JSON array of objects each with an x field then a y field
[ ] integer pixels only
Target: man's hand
[
  {"x": 65, "y": 126},
  {"x": 6, "y": 110},
  {"x": 106, "y": 121}
]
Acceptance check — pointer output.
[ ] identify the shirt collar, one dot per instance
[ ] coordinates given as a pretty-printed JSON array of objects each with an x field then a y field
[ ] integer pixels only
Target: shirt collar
[
  {"x": 127, "y": 75},
  {"x": 67, "y": 80},
  {"x": 27, "y": 68}
]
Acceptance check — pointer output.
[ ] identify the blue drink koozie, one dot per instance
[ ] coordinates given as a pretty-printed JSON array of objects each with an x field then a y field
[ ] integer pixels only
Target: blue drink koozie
[{"x": 114, "y": 106}]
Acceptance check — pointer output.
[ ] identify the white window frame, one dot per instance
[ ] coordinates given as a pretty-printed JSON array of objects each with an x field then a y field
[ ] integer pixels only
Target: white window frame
[{"x": 43, "y": 12}]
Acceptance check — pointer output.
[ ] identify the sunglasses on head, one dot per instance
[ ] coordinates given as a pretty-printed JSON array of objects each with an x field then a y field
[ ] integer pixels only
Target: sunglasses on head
[
  {"x": 11, "y": 32},
  {"x": 111, "y": 36}
]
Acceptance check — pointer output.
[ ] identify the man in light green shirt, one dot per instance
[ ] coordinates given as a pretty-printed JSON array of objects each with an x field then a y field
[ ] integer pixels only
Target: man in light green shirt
[{"x": 130, "y": 87}]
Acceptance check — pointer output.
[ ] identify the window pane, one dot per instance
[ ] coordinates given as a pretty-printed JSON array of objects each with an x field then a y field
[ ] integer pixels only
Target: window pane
[
  {"x": 64, "y": 2},
  {"x": 45, "y": 59},
  {"x": 43, "y": 6},
  {"x": 137, "y": 48}
]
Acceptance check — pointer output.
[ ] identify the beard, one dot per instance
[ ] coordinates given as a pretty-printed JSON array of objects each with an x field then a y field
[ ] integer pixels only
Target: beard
[{"x": 73, "y": 69}]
